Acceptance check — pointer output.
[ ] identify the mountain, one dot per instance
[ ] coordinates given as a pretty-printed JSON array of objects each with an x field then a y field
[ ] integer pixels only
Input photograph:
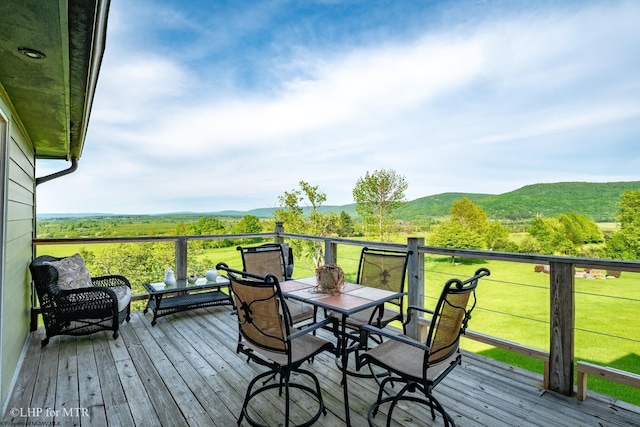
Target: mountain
[
  {"x": 268, "y": 212},
  {"x": 598, "y": 201}
]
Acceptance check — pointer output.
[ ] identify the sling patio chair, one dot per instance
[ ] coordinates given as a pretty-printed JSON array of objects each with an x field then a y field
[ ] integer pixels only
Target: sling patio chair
[
  {"x": 420, "y": 366},
  {"x": 276, "y": 259},
  {"x": 266, "y": 337},
  {"x": 382, "y": 269},
  {"x": 73, "y": 303}
]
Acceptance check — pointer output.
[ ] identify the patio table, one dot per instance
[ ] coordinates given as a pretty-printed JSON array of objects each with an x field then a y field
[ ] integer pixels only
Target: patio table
[
  {"x": 182, "y": 296},
  {"x": 352, "y": 299}
]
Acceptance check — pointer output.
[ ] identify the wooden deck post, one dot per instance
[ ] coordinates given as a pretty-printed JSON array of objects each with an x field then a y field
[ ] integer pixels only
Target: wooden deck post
[
  {"x": 330, "y": 252},
  {"x": 415, "y": 281},
  {"x": 181, "y": 258},
  {"x": 561, "y": 324},
  {"x": 278, "y": 239}
]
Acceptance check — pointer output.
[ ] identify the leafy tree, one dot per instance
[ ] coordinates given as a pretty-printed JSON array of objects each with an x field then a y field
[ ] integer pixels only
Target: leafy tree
[
  {"x": 379, "y": 195},
  {"x": 469, "y": 228},
  {"x": 497, "y": 238},
  {"x": 565, "y": 234},
  {"x": 140, "y": 262},
  {"x": 625, "y": 244},
  {"x": 580, "y": 229},
  {"x": 551, "y": 236},
  {"x": 452, "y": 234},
  {"x": 316, "y": 223},
  {"x": 470, "y": 215},
  {"x": 629, "y": 215},
  {"x": 529, "y": 245},
  {"x": 247, "y": 225},
  {"x": 345, "y": 225}
]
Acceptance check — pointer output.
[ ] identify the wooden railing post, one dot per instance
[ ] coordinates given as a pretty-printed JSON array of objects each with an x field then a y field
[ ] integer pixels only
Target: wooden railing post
[
  {"x": 278, "y": 230},
  {"x": 181, "y": 258},
  {"x": 415, "y": 281},
  {"x": 330, "y": 252},
  {"x": 561, "y": 323}
]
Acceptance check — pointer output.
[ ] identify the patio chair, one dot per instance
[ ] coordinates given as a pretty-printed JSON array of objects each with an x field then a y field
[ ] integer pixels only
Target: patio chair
[
  {"x": 266, "y": 338},
  {"x": 421, "y": 366},
  {"x": 382, "y": 269},
  {"x": 276, "y": 259},
  {"x": 73, "y": 303}
]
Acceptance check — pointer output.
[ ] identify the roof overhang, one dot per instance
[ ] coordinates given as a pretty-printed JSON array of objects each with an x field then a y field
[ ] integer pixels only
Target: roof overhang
[{"x": 52, "y": 96}]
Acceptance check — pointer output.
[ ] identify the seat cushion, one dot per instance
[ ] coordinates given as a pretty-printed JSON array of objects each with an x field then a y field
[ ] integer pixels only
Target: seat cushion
[
  {"x": 72, "y": 272},
  {"x": 407, "y": 360},
  {"x": 124, "y": 296},
  {"x": 302, "y": 348}
]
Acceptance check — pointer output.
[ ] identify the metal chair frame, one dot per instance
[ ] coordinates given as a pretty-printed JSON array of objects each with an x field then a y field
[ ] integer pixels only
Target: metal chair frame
[
  {"x": 266, "y": 337},
  {"x": 440, "y": 352}
]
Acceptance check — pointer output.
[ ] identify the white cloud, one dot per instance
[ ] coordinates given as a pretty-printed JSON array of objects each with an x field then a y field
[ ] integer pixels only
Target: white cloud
[{"x": 172, "y": 126}]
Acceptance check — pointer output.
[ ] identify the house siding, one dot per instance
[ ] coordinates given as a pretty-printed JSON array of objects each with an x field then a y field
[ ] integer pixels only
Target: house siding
[{"x": 18, "y": 217}]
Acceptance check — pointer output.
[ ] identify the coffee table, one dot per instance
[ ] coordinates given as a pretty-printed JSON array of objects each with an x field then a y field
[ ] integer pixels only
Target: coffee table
[{"x": 165, "y": 300}]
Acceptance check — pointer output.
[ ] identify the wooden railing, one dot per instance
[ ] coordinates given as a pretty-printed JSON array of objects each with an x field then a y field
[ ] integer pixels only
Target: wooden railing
[{"x": 559, "y": 362}]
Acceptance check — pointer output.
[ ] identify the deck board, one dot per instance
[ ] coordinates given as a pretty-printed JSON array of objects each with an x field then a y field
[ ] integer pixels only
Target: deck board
[{"x": 185, "y": 371}]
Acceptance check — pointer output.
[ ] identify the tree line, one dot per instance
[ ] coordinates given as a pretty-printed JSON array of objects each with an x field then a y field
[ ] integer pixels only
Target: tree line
[{"x": 379, "y": 196}]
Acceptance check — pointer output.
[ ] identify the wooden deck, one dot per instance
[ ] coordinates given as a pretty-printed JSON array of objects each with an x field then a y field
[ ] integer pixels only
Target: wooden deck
[{"x": 185, "y": 372}]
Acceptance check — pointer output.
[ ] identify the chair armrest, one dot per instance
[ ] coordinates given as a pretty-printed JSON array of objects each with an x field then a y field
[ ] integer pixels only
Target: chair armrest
[
  {"x": 110, "y": 281},
  {"x": 310, "y": 328},
  {"x": 412, "y": 308},
  {"x": 422, "y": 309},
  {"x": 367, "y": 329}
]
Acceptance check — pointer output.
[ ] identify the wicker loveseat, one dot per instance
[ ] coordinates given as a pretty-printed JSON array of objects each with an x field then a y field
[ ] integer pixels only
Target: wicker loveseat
[{"x": 72, "y": 306}]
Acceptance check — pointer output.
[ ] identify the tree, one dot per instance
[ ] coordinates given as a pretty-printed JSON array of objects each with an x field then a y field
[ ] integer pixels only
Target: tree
[
  {"x": 345, "y": 225},
  {"x": 470, "y": 215},
  {"x": 470, "y": 228},
  {"x": 551, "y": 236},
  {"x": 565, "y": 234},
  {"x": 292, "y": 215},
  {"x": 580, "y": 229},
  {"x": 247, "y": 225},
  {"x": 625, "y": 243},
  {"x": 452, "y": 234},
  {"x": 140, "y": 262},
  {"x": 379, "y": 195}
]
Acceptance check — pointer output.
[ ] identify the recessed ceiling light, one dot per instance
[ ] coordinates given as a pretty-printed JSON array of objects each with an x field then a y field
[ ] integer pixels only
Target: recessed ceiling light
[{"x": 31, "y": 53}]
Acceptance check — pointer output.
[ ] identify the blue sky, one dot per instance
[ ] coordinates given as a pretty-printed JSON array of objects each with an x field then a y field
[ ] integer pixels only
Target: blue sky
[{"x": 211, "y": 105}]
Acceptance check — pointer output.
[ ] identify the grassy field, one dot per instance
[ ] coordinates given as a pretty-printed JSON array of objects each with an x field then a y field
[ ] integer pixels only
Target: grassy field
[{"x": 513, "y": 304}]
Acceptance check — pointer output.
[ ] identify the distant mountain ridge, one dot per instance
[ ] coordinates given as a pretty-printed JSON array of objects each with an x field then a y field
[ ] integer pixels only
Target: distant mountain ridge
[{"x": 598, "y": 201}]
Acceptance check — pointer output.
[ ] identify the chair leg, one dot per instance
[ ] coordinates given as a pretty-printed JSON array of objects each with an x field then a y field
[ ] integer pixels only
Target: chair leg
[
  {"x": 247, "y": 397},
  {"x": 286, "y": 407},
  {"x": 438, "y": 407}
]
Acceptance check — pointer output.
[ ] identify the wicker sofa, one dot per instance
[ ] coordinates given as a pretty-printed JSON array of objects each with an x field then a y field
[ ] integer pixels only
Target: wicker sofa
[{"x": 97, "y": 304}]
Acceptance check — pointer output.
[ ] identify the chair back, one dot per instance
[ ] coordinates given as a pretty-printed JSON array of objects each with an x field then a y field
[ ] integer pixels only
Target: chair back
[
  {"x": 264, "y": 259},
  {"x": 263, "y": 318},
  {"x": 451, "y": 316},
  {"x": 383, "y": 269}
]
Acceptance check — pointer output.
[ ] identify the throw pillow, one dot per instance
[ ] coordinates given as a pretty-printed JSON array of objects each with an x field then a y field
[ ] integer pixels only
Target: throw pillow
[{"x": 72, "y": 273}]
